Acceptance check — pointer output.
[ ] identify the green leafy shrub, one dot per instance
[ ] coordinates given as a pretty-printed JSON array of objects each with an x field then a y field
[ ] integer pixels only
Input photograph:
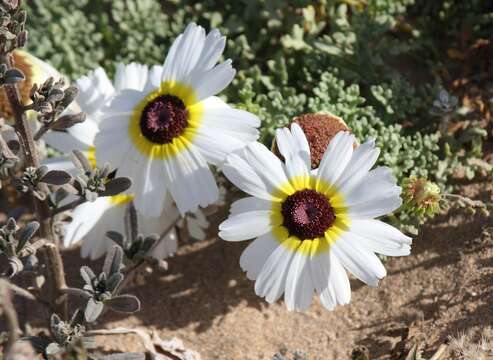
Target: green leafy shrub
[{"x": 372, "y": 62}]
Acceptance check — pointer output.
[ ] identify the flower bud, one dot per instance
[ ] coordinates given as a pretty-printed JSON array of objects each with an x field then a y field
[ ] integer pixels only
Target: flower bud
[
  {"x": 421, "y": 196},
  {"x": 319, "y": 129}
]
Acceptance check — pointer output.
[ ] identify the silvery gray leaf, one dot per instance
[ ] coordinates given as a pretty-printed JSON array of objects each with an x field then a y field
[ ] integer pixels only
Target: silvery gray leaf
[
  {"x": 113, "y": 261},
  {"x": 41, "y": 171},
  {"x": 114, "y": 281},
  {"x": 116, "y": 186},
  {"x": 39, "y": 344},
  {"x": 131, "y": 222},
  {"x": 116, "y": 237},
  {"x": 93, "y": 310},
  {"x": 67, "y": 121},
  {"x": 70, "y": 94},
  {"x": 80, "y": 161},
  {"x": 54, "y": 321},
  {"x": 14, "y": 145},
  {"x": 123, "y": 303},
  {"x": 56, "y": 177},
  {"x": 15, "y": 266},
  {"x": 87, "y": 274},
  {"x": 26, "y": 234},
  {"x": 77, "y": 318}
]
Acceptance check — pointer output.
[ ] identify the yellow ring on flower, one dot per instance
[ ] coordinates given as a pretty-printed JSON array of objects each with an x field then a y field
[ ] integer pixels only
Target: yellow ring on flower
[
  {"x": 195, "y": 113},
  {"x": 121, "y": 199},
  {"x": 317, "y": 245}
]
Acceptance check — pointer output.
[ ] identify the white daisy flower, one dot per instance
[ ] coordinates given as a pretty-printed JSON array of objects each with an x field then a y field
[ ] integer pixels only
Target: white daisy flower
[
  {"x": 166, "y": 131},
  {"x": 91, "y": 221},
  {"x": 95, "y": 91},
  {"x": 312, "y": 226}
]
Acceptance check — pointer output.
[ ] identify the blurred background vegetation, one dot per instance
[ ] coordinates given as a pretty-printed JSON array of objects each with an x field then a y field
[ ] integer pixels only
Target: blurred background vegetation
[{"x": 378, "y": 64}]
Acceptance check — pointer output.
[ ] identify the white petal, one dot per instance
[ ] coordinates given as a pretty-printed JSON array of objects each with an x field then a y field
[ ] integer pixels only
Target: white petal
[
  {"x": 132, "y": 76},
  {"x": 267, "y": 166},
  {"x": 184, "y": 54},
  {"x": 190, "y": 180},
  {"x": 166, "y": 246},
  {"x": 124, "y": 102},
  {"x": 249, "y": 204},
  {"x": 112, "y": 142},
  {"x": 84, "y": 217},
  {"x": 320, "y": 270},
  {"x": 336, "y": 157},
  {"x": 61, "y": 163},
  {"x": 80, "y": 136},
  {"x": 381, "y": 238},
  {"x": 153, "y": 78},
  {"x": 95, "y": 89},
  {"x": 299, "y": 284},
  {"x": 271, "y": 281},
  {"x": 147, "y": 186},
  {"x": 339, "y": 290},
  {"x": 359, "y": 261},
  {"x": 224, "y": 130},
  {"x": 213, "y": 81},
  {"x": 241, "y": 174},
  {"x": 96, "y": 243},
  {"x": 246, "y": 225},
  {"x": 211, "y": 52},
  {"x": 255, "y": 255},
  {"x": 376, "y": 194},
  {"x": 362, "y": 160},
  {"x": 293, "y": 141}
]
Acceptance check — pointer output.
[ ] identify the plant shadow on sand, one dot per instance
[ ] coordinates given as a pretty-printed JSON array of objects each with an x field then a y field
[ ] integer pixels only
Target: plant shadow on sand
[
  {"x": 204, "y": 276},
  {"x": 454, "y": 267}
]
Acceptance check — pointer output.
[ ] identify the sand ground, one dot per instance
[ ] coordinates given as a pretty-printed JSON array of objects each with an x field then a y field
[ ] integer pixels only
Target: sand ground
[{"x": 442, "y": 289}]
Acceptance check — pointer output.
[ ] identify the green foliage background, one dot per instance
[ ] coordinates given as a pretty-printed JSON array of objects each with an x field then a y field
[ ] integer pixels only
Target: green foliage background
[{"x": 373, "y": 62}]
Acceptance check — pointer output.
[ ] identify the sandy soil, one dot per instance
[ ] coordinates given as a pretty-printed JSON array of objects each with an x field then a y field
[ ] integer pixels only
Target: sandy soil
[{"x": 442, "y": 289}]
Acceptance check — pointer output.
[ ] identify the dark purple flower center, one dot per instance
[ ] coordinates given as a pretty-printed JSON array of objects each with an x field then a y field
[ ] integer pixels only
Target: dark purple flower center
[
  {"x": 163, "y": 119},
  {"x": 307, "y": 214}
]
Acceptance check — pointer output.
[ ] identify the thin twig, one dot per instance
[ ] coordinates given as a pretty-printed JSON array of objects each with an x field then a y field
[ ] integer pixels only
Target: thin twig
[
  {"x": 51, "y": 255},
  {"x": 10, "y": 314},
  {"x": 55, "y": 265},
  {"x": 26, "y": 137}
]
